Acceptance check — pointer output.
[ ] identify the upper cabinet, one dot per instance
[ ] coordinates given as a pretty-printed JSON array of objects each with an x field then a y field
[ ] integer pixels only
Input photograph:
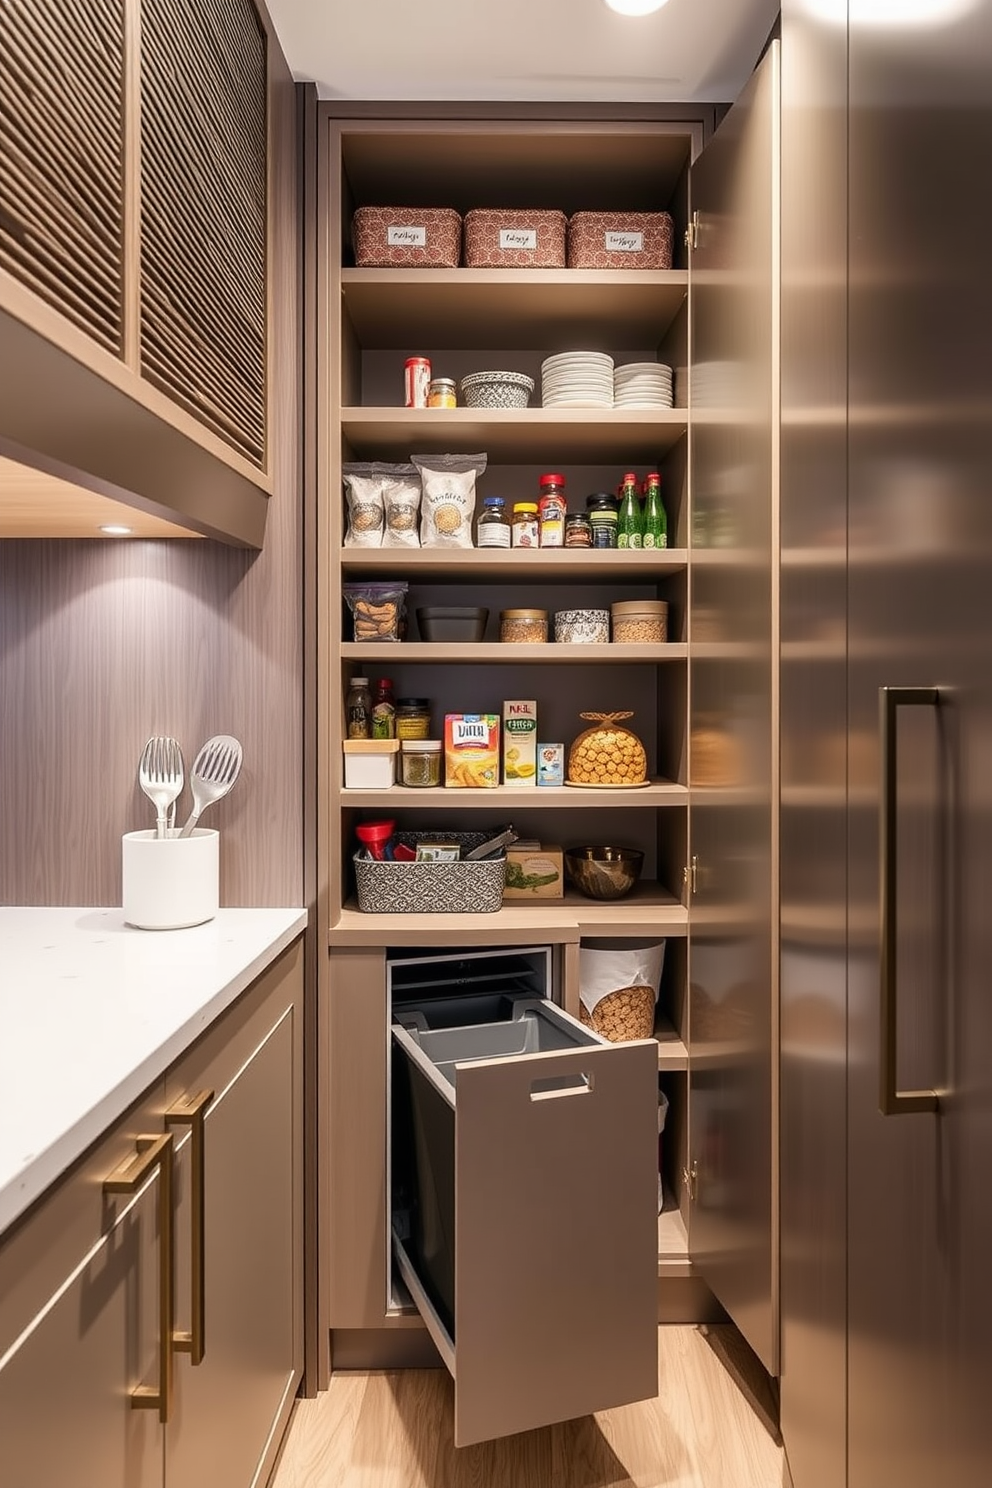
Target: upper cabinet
[{"x": 135, "y": 264}]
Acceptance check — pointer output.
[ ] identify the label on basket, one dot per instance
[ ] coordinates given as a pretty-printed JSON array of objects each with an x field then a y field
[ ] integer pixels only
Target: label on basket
[
  {"x": 518, "y": 237},
  {"x": 406, "y": 237},
  {"x": 623, "y": 242}
]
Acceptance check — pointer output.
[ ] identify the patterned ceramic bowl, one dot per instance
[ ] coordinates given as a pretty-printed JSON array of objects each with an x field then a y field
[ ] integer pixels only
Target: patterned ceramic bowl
[
  {"x": 496, "y": 389},
  {"x": 582, "y": 627}
]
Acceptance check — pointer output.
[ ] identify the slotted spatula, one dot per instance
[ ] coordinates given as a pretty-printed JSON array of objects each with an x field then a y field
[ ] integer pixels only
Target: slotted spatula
[{"x": 215, "y": 769}]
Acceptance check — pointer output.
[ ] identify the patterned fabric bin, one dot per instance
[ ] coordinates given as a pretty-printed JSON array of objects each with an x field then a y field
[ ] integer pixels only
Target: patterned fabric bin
[
  {"x": 497, "y": 239},
  {"x": 432, "y": 888},
  {"x": 620, "y": 240},
  {"x": 407, "y": 237}
]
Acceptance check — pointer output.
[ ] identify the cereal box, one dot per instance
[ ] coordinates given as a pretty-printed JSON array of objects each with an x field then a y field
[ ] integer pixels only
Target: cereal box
[
  {"x": 471, "y": 749},
  {"x": 520, "y": 744}
]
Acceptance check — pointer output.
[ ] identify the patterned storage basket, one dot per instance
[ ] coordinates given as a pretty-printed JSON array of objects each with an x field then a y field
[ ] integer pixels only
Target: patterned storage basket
[
  {"x": 498, "y": 239},
  {"x": 432, "y": 888},
  {"x": 620, "y": 240},
  {"x": 407, "y": 237}
]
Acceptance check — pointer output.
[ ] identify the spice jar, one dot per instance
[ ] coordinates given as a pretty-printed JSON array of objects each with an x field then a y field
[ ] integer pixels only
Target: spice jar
[
  {"x": 603, "y": 510},
  {"x": 578, "y": 531},
  {"x": 551, "y": 508},
  {"x": 442, "y": 393},
  {"x": 525, "y": 525},
  {"x": 493, "y": 529},
  {"x": 413, "y": 718},
  {"x": 420, "y": 762},
  {"x": 523, "y": 627}
]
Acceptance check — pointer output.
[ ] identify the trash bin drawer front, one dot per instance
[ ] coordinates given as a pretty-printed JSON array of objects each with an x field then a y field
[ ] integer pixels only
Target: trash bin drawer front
[{"x": 556, "y": 1264}]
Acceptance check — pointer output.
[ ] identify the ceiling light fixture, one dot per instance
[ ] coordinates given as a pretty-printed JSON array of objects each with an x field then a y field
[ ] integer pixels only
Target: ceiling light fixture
[
  {"x": 113, "y": 529},
  {"x": 636, "y": 7}
]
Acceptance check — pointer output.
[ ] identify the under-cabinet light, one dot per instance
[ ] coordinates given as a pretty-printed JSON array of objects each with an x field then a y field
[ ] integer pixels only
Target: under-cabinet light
[
  {"x": 635, "y": 7},
  {"x": 113, "y": 529}
]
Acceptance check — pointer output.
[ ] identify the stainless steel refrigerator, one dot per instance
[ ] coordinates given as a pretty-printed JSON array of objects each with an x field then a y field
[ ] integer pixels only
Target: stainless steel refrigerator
[{"x": 887, "y": 743}]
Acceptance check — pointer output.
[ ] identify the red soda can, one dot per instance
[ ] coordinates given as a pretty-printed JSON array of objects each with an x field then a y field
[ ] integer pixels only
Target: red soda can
[{"x": 417, "y": 380}]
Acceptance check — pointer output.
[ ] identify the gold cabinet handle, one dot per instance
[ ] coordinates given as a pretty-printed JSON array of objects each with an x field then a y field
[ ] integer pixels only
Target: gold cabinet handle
[
  {"x": 190, "y": 1112},
  {"x": 127, "y": 1179}
]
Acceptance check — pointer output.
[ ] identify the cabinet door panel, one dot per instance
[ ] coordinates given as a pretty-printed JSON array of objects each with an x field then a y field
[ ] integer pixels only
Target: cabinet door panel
[
  {"x": 733, "y": 688},
  {"x": 65, "y": 1385},
  {"x": 227, "y": 1406},
  {"x": 554, "y": 1162}
]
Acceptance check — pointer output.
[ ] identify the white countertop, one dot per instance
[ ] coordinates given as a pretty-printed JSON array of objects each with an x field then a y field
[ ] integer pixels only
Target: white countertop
[{"x": 92, "y": 1012}]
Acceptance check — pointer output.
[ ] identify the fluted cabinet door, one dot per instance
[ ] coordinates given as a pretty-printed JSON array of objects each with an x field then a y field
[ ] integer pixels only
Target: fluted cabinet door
[{"x": 204, "y": 190}]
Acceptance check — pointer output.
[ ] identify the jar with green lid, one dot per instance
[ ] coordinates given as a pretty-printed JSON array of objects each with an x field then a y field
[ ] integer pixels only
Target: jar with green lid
[
  {"x": 413, "y": 718},
  {"x": 525, "y": 530},
  {"x": 420, "y": 762},
  {"x": 603, "y": 510}
]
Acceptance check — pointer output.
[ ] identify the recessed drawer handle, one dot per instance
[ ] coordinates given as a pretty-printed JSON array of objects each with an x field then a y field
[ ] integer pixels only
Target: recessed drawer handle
[{"x": 554, "y": 1086}]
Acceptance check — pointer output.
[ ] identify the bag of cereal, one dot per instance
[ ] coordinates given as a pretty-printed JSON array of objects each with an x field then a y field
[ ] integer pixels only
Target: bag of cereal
[{"x": 447, "y": 504}]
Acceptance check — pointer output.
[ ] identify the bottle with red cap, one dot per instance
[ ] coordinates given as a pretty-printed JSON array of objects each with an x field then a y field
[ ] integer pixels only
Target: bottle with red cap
[
  {"x": 630, "y": 521},
  {"x": 551, "y": 508},
  {"x": 384, "y": 710}
]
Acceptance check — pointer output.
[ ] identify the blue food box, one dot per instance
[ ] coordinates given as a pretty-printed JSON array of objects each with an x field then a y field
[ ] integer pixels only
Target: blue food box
[{"x": 551, "y": 764}]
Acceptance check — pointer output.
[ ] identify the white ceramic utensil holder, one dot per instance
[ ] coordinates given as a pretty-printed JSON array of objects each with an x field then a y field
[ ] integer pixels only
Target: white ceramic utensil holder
[{"x": 171, "y": 883}]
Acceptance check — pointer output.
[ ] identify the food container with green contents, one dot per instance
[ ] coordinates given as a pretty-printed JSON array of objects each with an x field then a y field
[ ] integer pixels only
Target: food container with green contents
[{"x": 420, "y": 762}]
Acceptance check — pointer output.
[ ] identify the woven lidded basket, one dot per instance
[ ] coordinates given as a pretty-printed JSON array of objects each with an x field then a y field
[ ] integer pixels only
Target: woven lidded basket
[
  {"x": 627, "y": 1013},
  {"x": 432, "y": 888},
  {"x": 620, "y": 240},
  {"x": 498, "y": 239},
  {"x": 407, "y": 237}
]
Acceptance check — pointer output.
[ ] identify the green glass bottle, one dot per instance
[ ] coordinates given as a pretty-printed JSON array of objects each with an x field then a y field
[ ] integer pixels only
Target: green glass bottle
[
  {"x": 655, "y": 521},
  {"x": 630, "y": 521}
]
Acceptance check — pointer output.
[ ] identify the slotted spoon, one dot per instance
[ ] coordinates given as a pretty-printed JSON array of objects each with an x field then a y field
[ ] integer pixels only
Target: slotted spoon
[
  {"x": 161, "y": 774},
  {"x": 215, "y": 769}
]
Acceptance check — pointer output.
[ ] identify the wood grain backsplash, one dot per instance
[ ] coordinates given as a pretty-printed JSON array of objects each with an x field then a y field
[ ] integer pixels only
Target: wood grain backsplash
[{"x": 104, "y": 642}]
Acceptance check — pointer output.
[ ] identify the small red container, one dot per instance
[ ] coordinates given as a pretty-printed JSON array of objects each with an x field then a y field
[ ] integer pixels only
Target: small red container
[{"x": 416, "y": 381}]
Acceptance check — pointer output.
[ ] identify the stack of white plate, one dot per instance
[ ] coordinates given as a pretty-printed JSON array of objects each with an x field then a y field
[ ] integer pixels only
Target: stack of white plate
[
  {"x": 642, "y": 385},
  {"x": 577, "y": 379}
]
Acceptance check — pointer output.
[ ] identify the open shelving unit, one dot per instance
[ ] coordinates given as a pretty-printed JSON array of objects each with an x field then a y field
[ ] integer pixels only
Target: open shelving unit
[{"x": 465, "y": 319}]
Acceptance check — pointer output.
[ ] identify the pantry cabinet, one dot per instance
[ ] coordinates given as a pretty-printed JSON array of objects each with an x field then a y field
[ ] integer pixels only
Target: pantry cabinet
[
  {"x": 465, "y": 320},
  {"x": 141, "y": 154},
  {"x": 166, "y": 1272}
]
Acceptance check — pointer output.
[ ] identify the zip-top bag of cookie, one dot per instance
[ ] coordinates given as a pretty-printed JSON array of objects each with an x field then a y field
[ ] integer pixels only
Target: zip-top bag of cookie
[
  {"x": 447, "y": 504},
  {"x": 378, "y": 610}
]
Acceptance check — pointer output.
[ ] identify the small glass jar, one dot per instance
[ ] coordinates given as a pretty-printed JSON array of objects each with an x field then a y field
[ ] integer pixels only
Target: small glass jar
[
  {"x": 420, "y": 762},
  {"x": 442, "y": 393},
  {"x": 525, "y": 532},
  {"x": 578, "y": 531},
  {"x": 493, "y": 529},
  {"x": 413, "y": 718},
  {"x": 603, "y": 511},
  {"x": 523, "y": 627}
]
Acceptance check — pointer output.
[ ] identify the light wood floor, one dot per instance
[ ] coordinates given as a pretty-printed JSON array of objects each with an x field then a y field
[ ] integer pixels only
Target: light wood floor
[{"x": 394, "y": 1431}]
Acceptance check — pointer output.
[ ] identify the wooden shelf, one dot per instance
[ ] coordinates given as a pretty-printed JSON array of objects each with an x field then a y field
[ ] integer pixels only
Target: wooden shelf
[
  {"x": 398, "y": 797},
  {"x": 516, "y": 436},
  {"x": 672, "y": 1052},
  {"x": 470, "y": 653},
  {"x": 469, "y": 564},
  {"x": 550, "y": 309},
  {"x": 649, "y": 910}
]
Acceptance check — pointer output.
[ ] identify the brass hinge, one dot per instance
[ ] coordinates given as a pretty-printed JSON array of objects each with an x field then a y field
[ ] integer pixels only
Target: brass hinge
[
  {"x": 690, "y": 875},
  {"x": 692, "y": 233},
  {"x": 690, "y": 1178}
]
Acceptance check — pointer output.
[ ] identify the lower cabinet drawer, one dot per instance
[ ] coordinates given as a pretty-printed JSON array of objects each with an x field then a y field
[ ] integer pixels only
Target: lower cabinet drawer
[{"x": 523, "y": 1190}]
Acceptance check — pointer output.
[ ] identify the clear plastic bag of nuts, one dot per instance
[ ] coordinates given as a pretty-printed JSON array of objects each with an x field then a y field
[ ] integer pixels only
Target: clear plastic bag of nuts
[{"x": 618, "y": 986}]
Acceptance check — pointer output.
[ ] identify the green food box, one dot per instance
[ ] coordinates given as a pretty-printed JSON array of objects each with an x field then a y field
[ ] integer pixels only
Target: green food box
[{"x": 534, "y": 870}]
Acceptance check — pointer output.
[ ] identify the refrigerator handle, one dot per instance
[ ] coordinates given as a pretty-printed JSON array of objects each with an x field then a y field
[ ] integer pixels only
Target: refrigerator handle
[{"x": 892, "y": 1101}]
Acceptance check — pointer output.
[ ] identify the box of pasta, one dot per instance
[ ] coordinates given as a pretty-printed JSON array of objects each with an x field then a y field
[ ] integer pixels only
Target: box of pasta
[{"x": 471, "y": 750}]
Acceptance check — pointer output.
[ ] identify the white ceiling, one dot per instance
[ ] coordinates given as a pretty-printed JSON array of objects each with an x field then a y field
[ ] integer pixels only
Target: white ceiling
[{"x": 553, "y": 50}]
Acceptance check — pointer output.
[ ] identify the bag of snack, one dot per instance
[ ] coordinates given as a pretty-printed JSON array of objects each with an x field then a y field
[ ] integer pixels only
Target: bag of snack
[
  {"x": 378, "y": 610},
  {"x": 447, "y": 502},
  {"x": 383, "y": 502},
  {"x": 366, "y": 514}
]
